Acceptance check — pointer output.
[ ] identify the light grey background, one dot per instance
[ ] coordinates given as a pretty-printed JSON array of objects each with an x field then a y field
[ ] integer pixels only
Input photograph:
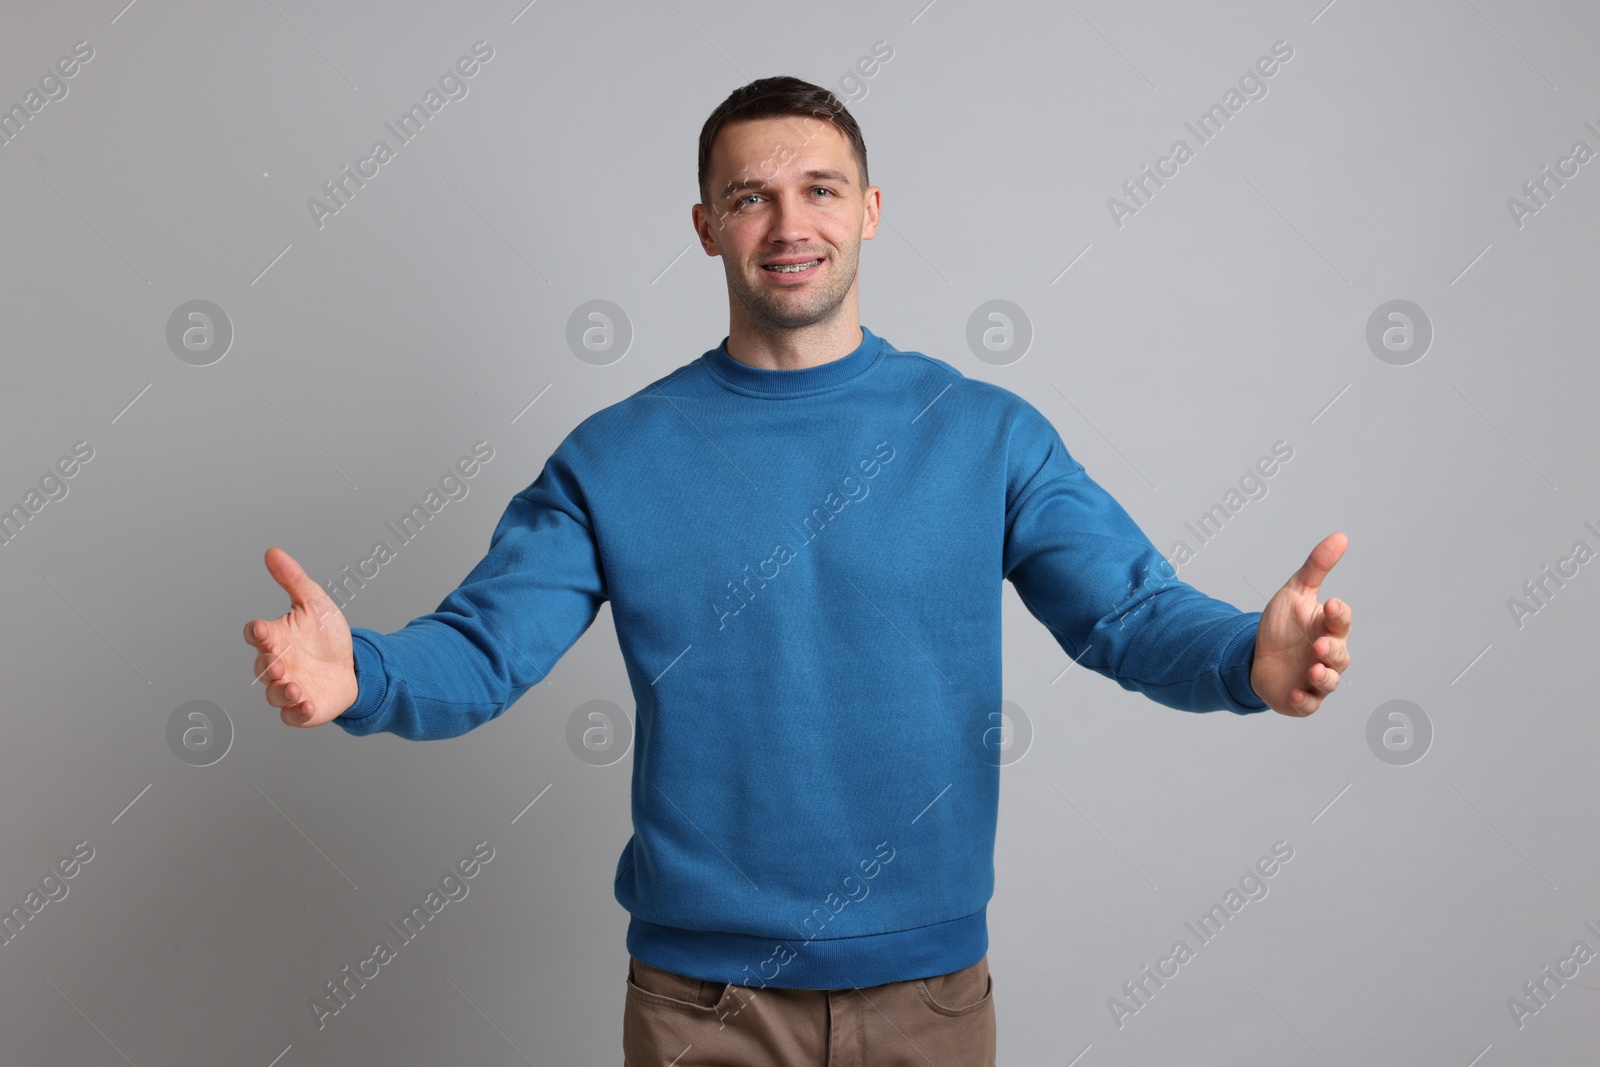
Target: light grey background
[{"x": 1229, "y": 313}]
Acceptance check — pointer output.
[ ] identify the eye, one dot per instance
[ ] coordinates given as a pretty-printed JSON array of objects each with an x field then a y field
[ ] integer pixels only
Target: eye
[
  {"x": 823, "y": 189},
  {"x": 748, "y": 196}
]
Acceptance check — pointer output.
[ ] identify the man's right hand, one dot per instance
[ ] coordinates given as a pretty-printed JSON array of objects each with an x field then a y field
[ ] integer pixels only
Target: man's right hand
[{"x": 304, "y": 656}]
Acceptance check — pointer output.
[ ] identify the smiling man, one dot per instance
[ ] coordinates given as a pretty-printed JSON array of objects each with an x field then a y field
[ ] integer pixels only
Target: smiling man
[
  {"x": 803, "y": 535},
  {"x": 790, "y": 245}
]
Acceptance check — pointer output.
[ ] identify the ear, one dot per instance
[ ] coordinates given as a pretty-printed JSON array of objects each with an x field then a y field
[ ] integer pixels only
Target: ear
[
  {"x": 874, "y": 205},
  {"x": 705, "y": 222}
]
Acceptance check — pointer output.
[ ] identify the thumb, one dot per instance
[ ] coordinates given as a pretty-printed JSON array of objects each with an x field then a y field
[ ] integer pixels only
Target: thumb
[
  {"x": 1321, "y": 560},
  {"x": 303, "y": 592}
]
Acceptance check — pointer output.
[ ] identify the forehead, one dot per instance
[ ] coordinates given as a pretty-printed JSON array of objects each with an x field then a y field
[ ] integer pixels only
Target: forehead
[{"x": 755, "y": 147}]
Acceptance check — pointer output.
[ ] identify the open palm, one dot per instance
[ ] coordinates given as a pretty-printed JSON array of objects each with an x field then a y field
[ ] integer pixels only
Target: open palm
[
  {"x": 1302, "y": 647},
  {"x": 303, "y": 656}
]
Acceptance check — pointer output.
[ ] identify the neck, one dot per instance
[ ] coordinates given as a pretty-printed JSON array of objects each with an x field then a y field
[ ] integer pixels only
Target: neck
[{"x": 762, "y": 345}]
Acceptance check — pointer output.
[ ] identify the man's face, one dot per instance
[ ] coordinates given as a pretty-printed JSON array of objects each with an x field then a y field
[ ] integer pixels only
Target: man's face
[{"x": 784, "y": 191}]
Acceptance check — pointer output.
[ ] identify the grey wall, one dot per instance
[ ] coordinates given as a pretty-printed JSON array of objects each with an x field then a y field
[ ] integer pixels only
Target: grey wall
[{"x": 1172, "y": 345}]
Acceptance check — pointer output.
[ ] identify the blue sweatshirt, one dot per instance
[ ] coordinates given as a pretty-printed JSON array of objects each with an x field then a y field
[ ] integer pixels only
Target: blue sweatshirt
[{"x": 804, "y": 569}]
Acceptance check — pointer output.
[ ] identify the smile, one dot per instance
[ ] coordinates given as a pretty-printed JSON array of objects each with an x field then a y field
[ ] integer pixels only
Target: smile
[{"x": 792, "y": 268}]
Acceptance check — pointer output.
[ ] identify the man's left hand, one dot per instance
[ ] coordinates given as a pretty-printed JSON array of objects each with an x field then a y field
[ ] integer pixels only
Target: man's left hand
[{"x": 1302, "y": 646}]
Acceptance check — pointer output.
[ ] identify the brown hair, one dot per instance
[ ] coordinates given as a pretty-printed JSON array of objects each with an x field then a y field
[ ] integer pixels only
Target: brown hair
[{"x": 772, "y": 97}]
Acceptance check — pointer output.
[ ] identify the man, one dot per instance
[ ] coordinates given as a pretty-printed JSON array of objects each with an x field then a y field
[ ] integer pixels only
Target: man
[{"x": 803, "y": 535}]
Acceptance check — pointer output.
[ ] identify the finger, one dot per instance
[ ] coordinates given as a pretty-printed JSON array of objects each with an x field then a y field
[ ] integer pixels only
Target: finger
[
  {"x": 296, "y": 715},
  {"x": 1324, "y": 680},
  {"x": 1332, "y": 651},
  {"x": 1321, "y": 561},
  {"x": 271, "y": 668},
  {"x": 1336, "y": 617},
  {"x": 257, "y": 632},
  {"x": 1304, "y": 703},
  {"x": 303, "y": 592},
  {"x": 285, "y": 694}
]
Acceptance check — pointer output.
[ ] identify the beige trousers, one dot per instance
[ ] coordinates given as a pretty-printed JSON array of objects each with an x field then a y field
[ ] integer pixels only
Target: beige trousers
[{"x": 671, "y": 1020}]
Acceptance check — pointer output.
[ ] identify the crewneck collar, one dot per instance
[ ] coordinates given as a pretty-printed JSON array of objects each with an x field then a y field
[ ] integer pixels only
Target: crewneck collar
[{"x": 758, "y": 381}]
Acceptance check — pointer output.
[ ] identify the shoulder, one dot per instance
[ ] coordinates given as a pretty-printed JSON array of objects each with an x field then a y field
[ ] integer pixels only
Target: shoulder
[
  {"x": 1005, "y": 412},
  {"x": 632, "y": 416},
  {"x": 1020, "y": 436}
]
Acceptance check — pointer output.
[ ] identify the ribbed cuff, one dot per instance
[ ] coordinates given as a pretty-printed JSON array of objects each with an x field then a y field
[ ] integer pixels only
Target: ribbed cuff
[
  {"x": 371, "y": 682},
  {"x": 1237, "y": 657}
]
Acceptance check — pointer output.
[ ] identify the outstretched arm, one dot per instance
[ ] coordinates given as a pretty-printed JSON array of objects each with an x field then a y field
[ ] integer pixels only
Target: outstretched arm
[
  {"x": 1084, "y": 568},
  {"x": 496, "y": 634},
  {"x": 493, "y": 637}
]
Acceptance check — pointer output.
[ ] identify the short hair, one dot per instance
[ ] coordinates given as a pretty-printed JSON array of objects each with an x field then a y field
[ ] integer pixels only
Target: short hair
[{"x": 772, "y": 97}]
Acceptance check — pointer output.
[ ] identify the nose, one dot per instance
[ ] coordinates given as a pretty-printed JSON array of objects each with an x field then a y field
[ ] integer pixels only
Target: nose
[{"x": 790, "y": 224}]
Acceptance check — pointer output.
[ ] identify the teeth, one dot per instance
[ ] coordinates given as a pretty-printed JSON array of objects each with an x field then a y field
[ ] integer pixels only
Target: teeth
[{"x": 790, "y": 268}]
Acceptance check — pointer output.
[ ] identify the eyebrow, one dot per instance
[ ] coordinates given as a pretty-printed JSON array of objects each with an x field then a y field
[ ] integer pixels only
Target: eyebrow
[{"x": 756, "y": 183}]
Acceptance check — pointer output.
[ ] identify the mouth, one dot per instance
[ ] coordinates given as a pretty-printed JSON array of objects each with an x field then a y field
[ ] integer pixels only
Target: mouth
[{"x": 793, "y": 268}]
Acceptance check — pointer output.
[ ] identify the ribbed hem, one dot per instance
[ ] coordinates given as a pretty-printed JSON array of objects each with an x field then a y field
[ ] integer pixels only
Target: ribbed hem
[
  {"x": 1237, "y": 657},
  {"x": 836, "y": 963},
  {"x": 758, "y": 381}
]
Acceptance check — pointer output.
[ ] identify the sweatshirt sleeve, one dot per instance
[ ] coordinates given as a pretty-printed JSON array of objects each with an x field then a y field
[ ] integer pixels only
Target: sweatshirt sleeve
[
  {"x": 496, "y": 634},
  {"x": 1115, "y": 605}
]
